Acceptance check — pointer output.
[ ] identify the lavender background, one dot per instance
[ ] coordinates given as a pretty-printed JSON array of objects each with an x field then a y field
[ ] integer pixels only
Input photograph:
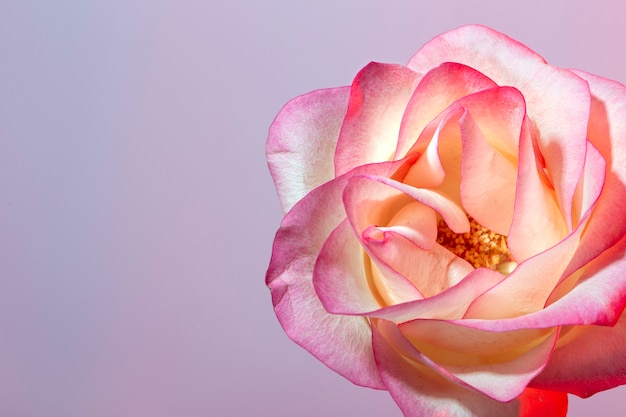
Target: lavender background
[{"x": 136, "y": 210}]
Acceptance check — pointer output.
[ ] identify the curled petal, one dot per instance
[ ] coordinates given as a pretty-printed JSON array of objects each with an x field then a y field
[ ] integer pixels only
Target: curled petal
[
  {"x": 475, "y": 139},
  {"x": 341, "y": 282},
  {"x": 366, "y": 191}
]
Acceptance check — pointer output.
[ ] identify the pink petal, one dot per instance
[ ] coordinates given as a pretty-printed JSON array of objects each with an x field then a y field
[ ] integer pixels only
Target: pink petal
[
  {"x": 439, "y": 148},
  {"x": 378, "y": 98},
  {"x": 437, "y": 90},
  {"x": 538, "y": 222},
  {"x": 379, "y": 208},
  {"x": 302, "y": 140},
  {"x": 490, "y": 130},
  {"x": 485, "y": 128},
  {"x": 340, "y": 277},
  {"x": 594, "y": 361},
  {"x": 420, "y": 391},
  {"x": 607, "y": 133},
  {"x": 591, "y": 183},
  {"x": 498, "y": 364},
  {"x": 527, "y": 288},
  {"x": 598, "y": 297},
  {"x": 343, "y": 343},
  {"x": 557, "y": 100},
  {"x": 404, "y": 261},
  {"x": 481, "y": 48},
  {"x": 450, "y": 304}
]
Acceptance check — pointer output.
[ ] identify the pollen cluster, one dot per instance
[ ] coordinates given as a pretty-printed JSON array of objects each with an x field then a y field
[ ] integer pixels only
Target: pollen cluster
[{"x": 481, "y": 247}]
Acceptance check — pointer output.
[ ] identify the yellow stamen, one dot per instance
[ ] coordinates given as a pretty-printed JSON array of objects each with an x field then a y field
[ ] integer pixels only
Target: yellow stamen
[{"x": 481, "y": 247}]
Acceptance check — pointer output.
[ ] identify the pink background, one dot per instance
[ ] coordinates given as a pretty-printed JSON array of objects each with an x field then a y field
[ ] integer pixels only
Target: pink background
[{"x": 136, "y": 210}]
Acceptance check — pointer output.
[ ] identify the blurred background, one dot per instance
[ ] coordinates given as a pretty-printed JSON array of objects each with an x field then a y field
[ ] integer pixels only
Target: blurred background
[{"x": 136, "y": 210}]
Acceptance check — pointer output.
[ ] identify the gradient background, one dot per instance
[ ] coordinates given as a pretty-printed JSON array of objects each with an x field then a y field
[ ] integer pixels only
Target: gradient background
[{"x": 136, "y": 209}]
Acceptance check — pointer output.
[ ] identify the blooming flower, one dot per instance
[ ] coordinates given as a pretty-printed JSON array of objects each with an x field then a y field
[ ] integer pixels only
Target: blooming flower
[{"x": 454, "y": 229}]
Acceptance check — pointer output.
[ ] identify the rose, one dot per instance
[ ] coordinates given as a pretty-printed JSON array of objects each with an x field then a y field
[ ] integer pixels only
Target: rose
[{"x": 454, "y": 229}]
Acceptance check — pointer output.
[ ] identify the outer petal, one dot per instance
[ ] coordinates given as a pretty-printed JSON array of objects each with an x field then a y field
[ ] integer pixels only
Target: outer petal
[
  {"x": 591, "y": 183},
  {"x": 420, "y": 392},
  {"x": 594, "y": 361},
  {"x": 498, "y": 364},
  {"x": 607, "y": 132},
  {"x": 302, "y": 140},
  {"x": 557, "y": 100},
  {"x": 378, "y": 98},
  {"x": 343, "y": 343},
  {"x": 439, "y": 148}
]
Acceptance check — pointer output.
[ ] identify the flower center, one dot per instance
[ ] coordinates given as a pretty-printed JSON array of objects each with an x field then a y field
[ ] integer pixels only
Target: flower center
[{"x": 480, "y": 247}]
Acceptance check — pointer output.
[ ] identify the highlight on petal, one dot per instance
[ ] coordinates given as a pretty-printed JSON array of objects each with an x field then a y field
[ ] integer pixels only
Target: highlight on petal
[
  {"x": 590, "y": 185},
  {"x": 302, "y": 140},
  {"x": 421, "y": 391},
  {"x": 450, "y": 304},
  {"x": 436, "y": 91},
  {"x": 439, "y": 156},
  {"x": 369, "y": 133},
  {"x": 490, "y": 130},
  {"x": 538, "y": 222},
  {"x": 498, "y": 364}
]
